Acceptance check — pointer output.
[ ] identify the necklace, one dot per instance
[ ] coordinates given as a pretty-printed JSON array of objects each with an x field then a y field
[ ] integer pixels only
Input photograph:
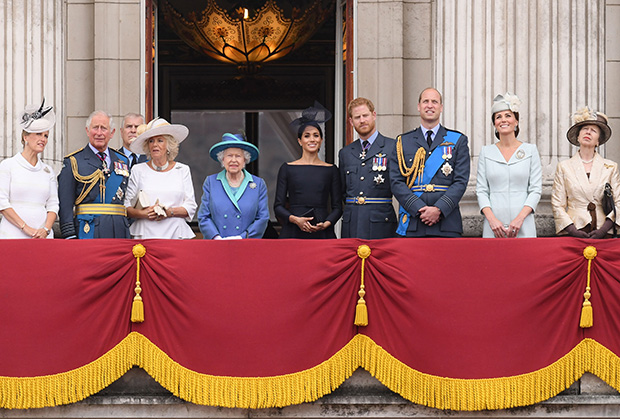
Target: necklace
[
  {"x": 586, "y": 161},
  {"x": 161, "y": 168}
]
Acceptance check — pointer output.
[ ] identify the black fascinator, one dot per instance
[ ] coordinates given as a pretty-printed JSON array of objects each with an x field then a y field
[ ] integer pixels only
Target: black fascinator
[{"x": 313, "y": 115}]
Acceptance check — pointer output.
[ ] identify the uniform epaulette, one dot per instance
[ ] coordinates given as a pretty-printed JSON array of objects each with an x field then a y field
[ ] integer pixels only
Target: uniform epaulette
[
  {"x": 118, "y": 151},
  {"x": 453, "y": 130},
  {"x": 75, "y": 152}
]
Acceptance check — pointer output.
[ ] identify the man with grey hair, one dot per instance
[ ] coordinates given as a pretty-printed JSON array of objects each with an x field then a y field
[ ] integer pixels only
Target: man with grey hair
[
  {"x": 129, "y": 131},
  {"x": 92, "y": 184}
]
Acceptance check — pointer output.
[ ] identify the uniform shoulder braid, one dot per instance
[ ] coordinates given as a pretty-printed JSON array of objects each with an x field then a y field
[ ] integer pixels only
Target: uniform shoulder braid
[{"x": 75, "y": 152}]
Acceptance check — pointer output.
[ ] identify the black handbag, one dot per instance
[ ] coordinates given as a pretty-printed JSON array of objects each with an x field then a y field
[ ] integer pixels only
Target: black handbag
[{"x": 609, "y": 205}]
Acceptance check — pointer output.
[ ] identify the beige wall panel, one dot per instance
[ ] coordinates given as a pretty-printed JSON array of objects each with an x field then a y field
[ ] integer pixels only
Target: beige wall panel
[
  {"x": 107, "y": 30},
  {"x": 107, "y": 86},
  {"x": 129, "y": 26},
  {"x": 417, "y": 75},
  {"x": 129, "y": 87},
  {"x": 75, "y": 134},
  {"x": 80, "y": 36},
  {"x": 417, "y": 30},
  {"x": 612, "y": 28},
  {"x": 80, "y": 87}
]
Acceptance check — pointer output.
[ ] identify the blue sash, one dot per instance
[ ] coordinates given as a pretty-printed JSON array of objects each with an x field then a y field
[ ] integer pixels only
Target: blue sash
[
  {"x": 111, "y": 186},
  {"x": 431, "y": 166}
]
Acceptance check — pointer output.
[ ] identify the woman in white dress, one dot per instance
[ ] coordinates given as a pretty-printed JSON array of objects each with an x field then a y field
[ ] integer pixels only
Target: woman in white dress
[
  {"x": 28, "y": 187},
  {"x": 509, "y": 183},
  {"x": 579, "y": 183},
  {"x": 160, "y": 192}
]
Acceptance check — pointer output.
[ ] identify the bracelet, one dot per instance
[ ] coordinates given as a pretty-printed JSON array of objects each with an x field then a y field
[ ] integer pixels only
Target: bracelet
[{"x": 23, "y": 225}]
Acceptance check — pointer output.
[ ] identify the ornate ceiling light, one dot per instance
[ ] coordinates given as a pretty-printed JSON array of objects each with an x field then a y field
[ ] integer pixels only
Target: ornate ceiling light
[{"x": 246, "y": 34}]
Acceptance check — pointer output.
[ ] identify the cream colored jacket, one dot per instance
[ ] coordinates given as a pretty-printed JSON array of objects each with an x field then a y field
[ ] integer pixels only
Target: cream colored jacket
[{"x": 572, "y": 191}]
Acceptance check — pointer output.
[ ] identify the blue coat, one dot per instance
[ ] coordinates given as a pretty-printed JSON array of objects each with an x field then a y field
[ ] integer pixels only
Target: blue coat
[
  {"x": 360, "y": 178},
  {"x": 455, "y": 178},
  {"x": 69, "y": 189},
  {"x": 222, "y": 212}
]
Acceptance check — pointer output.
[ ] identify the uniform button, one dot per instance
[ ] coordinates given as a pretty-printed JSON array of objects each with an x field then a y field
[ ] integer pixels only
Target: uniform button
[
  {"x": 361, "y": 192},
  {"x": 348, "y": 172},
  {"x": 363, "y": 164},
  {"x": 362, "y": 178},
  {"x": 386, "y": 219}
]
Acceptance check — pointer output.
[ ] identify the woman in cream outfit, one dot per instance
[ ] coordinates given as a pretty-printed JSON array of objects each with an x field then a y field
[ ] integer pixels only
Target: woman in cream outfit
[
  {"x": 509, "y": 183},
  {"x": 580, "y": 181}
]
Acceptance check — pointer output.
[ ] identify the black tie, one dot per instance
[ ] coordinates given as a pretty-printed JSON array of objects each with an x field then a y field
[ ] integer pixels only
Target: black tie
[
  {"x": 134, "y": 159},
  {"x": 429, "y": 138},
  {"x": 101, "y": 156}
]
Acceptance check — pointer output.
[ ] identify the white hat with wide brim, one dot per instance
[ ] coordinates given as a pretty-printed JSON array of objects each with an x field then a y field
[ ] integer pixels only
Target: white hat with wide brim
[
  {"x": 156, "y": 127},
  {"x": 32, "y": 120}
]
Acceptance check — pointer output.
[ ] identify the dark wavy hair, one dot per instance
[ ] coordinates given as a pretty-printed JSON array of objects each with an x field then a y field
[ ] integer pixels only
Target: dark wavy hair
[{"x": 516, "y": 114}]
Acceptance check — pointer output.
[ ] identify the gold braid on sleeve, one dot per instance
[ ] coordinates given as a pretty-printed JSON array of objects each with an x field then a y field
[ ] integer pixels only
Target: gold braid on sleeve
[
  {"x": 90, "y": 181},
  {"x": 417, "y": 168}
]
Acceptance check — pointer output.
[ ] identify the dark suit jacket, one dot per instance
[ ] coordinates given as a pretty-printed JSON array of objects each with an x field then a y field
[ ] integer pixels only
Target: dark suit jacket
[
  {"x": 368, "y": 221},
  {"x": 141, "y": 157},
  {"x": 450, "y": 223},
  {"x": 106, "y": 226}
]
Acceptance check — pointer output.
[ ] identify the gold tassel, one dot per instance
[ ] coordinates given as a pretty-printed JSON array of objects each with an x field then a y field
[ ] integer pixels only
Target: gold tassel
[
  {"x": 137, "y": 307},
  {"x": 361, "y": 311},
  {"x": 587, "y": 319}
]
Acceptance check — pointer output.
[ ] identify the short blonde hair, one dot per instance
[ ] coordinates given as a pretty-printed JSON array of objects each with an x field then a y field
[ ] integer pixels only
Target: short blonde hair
[{"x": 172, "y": 146}]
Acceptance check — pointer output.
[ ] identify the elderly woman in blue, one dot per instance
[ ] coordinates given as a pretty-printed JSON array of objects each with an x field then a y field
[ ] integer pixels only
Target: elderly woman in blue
[
  {"x": 234, "y": 203},
  {"x": 509, "y": 183}
]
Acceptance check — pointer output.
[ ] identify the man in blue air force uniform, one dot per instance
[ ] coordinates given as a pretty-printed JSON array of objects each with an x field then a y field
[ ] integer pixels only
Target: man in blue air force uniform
[
  {"x": 92, "y": 184},
  {"x": 129, "y": 131},
  {"x": 368, "y": 210},
  {"x": 429, "y": 171}
]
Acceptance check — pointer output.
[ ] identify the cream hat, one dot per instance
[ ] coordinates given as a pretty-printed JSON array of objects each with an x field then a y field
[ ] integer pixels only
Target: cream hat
[
  {"x": 157, "y": 126},
  {"x": 36, "y": 119},
  {"x": 505, "y": 102}
]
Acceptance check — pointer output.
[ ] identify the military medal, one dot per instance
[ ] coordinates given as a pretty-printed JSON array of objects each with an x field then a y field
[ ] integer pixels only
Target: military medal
[
  {"x": 121, "y": 168},
  {"x": 364, "y": 149},
  {"x": 86, "y": 228},
  {"x": 379, "y": 179},
  {"x": 447, "y": 153},
  {"x": 520, "y": 154},
  {"x": 120, "y": 193},
  {"x": 446, "y": 169}
]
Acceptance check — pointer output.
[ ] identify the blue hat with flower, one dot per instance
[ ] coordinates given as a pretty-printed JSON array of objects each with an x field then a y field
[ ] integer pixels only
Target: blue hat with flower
[{"x": 233, "y": 141}]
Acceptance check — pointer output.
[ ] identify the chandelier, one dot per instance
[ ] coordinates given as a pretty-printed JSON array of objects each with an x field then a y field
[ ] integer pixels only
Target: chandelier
[{"x": 248, "y": 33}]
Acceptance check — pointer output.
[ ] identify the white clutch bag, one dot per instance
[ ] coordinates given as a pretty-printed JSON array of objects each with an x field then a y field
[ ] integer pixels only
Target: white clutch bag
[{"x": 142, "y": 201}]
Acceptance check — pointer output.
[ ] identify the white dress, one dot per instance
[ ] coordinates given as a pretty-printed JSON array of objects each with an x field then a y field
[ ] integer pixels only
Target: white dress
[
  {"x": 32, "y": 192},
  {"x": 173, "y": 188}
]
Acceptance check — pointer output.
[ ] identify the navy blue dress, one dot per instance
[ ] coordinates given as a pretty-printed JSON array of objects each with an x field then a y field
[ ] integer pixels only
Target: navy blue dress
[{"x": 302, "y": 188}]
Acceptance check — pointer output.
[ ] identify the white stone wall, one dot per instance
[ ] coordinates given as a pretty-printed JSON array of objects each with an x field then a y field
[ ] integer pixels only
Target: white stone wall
[{"x": 31, "y": 60}]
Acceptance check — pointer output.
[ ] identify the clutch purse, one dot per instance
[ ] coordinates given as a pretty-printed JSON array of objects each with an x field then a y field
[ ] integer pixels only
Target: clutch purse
[
  {"x": 310, "y": 213},
  {"x": 142, "y": 201}
]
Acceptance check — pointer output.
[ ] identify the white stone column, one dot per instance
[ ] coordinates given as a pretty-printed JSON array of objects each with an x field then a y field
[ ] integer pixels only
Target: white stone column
[
  {"x": 551, "y": 54},
  {"x": 32, "y": 66}
]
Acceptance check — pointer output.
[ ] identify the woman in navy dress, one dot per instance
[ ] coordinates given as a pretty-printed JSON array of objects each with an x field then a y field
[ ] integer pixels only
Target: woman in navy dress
[{"x": 308, "y": 198}]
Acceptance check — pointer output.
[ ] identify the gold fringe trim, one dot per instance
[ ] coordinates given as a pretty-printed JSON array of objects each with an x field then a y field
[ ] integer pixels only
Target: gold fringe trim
[
  {"x": 311, "y": 384},
  {"x": 70, "y": 386},
  {"x": 249, "y": 392},
  {"x": 361, "y": 311},
  {"x": 490, "y": 393}
]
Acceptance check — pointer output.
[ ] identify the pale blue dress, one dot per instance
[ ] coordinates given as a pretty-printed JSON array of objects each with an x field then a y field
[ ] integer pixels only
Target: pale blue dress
[{"x": 506, "y": 187}]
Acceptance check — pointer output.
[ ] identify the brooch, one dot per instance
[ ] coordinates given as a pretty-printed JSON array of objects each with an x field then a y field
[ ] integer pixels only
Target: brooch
[
  {"x": 446, "y": 169},
  {"x": 252, "y": 185},
  {"x": 46, "y": 170},
  {"x": 520, "y": 154}
]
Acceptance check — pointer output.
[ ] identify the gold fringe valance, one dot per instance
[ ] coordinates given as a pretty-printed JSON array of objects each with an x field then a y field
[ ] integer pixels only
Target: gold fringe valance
[{"x": 311, "y": 384}]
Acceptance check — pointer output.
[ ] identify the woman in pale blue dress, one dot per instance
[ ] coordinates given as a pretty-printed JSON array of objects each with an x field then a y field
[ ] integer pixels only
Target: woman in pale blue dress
[{"x": 509, "y": 183}]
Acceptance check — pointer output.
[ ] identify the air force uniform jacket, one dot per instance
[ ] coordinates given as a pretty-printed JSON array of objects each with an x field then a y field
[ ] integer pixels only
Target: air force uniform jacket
[
  {"x": 366, "y": 178},
  {"x": 442, "y": 188}
]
